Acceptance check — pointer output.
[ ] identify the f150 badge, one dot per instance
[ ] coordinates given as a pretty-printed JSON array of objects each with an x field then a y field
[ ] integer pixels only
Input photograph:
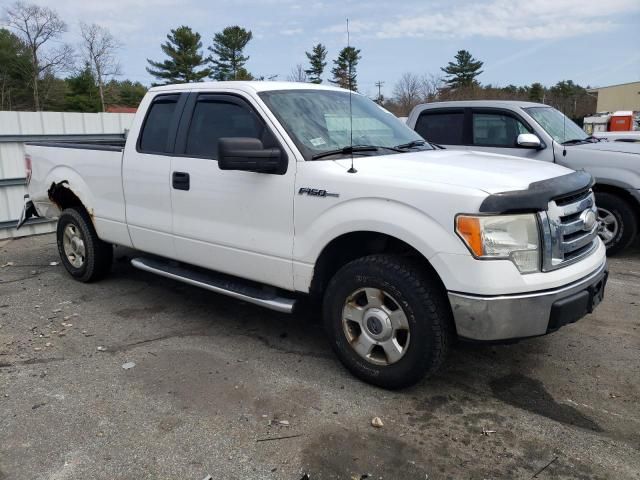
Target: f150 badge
[{"x": 315, "y": 192}]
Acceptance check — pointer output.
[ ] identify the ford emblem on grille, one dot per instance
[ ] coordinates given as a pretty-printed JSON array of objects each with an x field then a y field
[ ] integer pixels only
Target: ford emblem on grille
[{"x": 589, "y": 219}]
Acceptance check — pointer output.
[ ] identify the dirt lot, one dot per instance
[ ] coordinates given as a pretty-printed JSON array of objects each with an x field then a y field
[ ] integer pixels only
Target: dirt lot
[{"x": 214, "y": 377}]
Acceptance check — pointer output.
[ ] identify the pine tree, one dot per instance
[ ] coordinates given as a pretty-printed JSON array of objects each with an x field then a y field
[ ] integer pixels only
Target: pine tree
[
  {"x": 463, "y": 72},
  {"x": 316, "y": 63},
  {"x": 344, "y": 71},
  {"x": 82, "y": 92},
  {"x": 228, "y": 59},
  {"x": 536, "y": 92},
  {"x": 183, "y": 49}
]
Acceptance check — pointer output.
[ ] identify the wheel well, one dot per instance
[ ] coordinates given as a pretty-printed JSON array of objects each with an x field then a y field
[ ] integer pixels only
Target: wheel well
[
  {"x": 351, "y": 246},
  {"x": 620, "y": 192},
  {"x": 63, "y": 196}
]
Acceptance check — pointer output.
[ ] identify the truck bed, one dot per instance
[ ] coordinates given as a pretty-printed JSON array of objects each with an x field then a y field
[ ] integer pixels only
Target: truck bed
[{"x": 91, "y": 170}]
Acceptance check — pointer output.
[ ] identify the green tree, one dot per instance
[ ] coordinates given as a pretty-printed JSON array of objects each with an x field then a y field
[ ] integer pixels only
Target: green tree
[
  {"x": 183, "y": 49},
  {"x": 53, "y": 93},
  {"x": 125, "y": 93},
  {"x": 228, "y": 57},
  {"x": 344, "y": 70},
  {"x": 572, "y": 99},
  {"x": 317, "y": 62},
  {"x": 15, "y": 72},
  {"x": 83, "y": 94},
  {"x": 536, "y": 92},
  {"x": 463, "y": 72}
]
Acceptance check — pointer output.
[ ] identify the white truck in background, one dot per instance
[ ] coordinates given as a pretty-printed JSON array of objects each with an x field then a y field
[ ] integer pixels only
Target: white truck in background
[
  {"x": 269, "y": 192},
  {"x": 539, "y": 132}
]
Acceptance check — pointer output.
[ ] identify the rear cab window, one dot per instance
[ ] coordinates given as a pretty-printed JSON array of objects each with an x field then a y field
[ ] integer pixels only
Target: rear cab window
[
  {"x": 154, "y": 136},
  {"x": 442, "y": 127}
]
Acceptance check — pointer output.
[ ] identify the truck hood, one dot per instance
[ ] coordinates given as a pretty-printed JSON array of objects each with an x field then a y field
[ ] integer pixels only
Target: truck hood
[
  {"x": 621, "y": 147},
  {"x": 488, "y": 172}
]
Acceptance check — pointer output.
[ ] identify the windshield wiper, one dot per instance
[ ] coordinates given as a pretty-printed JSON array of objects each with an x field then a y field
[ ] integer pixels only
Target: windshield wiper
[
  {"x": 353, "y": 149},
  {"x": 412, "y": 144},
  {"x": 573, "y": 141}
]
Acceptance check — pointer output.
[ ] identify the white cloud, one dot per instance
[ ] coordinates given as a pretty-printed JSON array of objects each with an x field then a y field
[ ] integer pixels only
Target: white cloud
[
  {"x": 291, "y": 31},
  {"x": 508, "y": 19}
]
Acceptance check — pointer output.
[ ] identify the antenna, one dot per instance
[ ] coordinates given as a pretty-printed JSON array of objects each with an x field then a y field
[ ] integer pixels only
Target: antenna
[
  {"x": 564, "y": 132},
  {"x": 352, "y": 169}
]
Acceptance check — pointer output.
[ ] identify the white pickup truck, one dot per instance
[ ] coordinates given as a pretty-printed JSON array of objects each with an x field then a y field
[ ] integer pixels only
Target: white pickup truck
[{"x": 268, "y": 192}]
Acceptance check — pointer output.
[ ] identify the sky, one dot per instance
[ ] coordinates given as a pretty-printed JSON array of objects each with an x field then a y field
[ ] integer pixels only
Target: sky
[{"x": 592, "y": 42}]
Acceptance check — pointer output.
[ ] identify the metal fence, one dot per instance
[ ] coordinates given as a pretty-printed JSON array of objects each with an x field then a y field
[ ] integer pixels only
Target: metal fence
[{"x": 16, "y": 128}]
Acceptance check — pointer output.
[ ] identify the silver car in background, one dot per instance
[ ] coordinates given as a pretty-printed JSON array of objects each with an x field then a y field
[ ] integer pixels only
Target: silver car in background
[{"x": 540, "y": 132}]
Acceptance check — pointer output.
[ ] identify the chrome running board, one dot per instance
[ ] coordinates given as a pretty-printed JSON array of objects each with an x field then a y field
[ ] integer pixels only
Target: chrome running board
[{"x": 247, "y": 291}]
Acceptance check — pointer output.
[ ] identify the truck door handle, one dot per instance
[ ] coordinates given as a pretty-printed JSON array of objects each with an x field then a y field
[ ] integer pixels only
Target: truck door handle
[{"x": 180, "y": 180}]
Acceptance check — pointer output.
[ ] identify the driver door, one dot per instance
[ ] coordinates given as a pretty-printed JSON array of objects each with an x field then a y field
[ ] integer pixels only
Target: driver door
[
  {"x": 233, "y": 222},
  {"x": 496, "y": 131}
]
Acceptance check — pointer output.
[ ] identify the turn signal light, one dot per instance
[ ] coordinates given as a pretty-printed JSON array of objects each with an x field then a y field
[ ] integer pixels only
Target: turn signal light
[{"x": 469, "y": 229}]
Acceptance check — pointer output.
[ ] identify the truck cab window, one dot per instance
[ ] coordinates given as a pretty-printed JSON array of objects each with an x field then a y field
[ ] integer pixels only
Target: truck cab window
[
  {"x": 444, "y": 128},
  {"x": 155, "y": 131},
  {"x": 497, "y": 130},
  {"x": 213, "y": 120}
]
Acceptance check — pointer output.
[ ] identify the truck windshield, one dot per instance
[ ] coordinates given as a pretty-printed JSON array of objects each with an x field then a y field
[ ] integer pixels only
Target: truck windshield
[
  {"x": 318, "y": 122},
  {"x": 556, "y": 124}
]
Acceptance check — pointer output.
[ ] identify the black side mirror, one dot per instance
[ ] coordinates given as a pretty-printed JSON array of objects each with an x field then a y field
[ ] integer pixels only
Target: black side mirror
[{"x": 249, "y": 155}]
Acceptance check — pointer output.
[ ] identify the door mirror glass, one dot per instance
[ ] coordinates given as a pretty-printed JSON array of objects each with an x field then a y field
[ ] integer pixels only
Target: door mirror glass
[
  {"x": 528, "y": 140},
  {"x": 249, "y": 155}
]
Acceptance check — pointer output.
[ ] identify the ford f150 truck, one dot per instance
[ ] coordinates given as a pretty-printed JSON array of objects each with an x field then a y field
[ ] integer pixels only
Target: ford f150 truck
[
  {"x": 269, "y": 192},
  {"x": 540, "y": 132}
]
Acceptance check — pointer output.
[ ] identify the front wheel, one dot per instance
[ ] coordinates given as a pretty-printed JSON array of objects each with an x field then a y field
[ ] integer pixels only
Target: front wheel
[
  {"x": 617, "y": 222},
  {"x": 388, "y": 320},
  {"x": 83, "y": 254}
]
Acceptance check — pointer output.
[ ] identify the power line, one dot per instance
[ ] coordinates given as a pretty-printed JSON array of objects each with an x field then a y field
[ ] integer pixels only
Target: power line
[{"x": 379, "y": 84}]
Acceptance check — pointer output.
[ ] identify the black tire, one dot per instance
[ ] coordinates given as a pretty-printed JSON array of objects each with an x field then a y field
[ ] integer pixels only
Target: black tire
[
  {"x": 98, "y": 254},
  {"x": 424, "y": 305},
  {"x": 625, "y": 217}
]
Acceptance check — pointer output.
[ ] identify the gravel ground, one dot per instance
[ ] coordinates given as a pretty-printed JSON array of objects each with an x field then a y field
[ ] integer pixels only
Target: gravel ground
[{"x": 217, "y": 381}]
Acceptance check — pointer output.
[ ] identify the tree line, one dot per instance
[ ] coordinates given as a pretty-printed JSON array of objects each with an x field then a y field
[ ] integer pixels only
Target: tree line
[
  {"x": 33, "y": 59},
  {"x": 186, "y": 62},
  {"x": 458, "y": 80}
]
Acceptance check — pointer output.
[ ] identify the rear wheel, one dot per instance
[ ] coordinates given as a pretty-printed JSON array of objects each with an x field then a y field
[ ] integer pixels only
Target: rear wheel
[
  {"x": 84, "y": 255},
  {"x": 617, "y": 222},
  {"x": 388, "y": 320}
]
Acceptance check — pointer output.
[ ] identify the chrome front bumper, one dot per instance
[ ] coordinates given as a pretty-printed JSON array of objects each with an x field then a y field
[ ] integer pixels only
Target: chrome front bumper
[{"x": 506, "y": 317}]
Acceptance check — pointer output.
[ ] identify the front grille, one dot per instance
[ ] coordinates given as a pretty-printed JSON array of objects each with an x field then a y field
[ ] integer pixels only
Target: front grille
[{"x": 569, "y": 229}]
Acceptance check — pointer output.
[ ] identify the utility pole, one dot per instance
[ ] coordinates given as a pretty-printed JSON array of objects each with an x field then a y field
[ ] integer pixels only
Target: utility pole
[{"x": 379, "y": 84}]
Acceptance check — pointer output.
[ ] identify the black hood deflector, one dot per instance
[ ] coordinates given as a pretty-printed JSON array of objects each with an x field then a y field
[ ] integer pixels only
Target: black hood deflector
[{"x": 538, "y": 195}]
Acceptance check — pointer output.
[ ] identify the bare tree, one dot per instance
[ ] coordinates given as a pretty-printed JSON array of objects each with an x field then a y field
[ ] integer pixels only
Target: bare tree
[
  {"x": 99, "y": 48},
  {"x": 37, "y": 26},
  {"x": 430, "y": 87},
  {"x": 298, "y": 74},
  {"x": 407, "y": 92}
]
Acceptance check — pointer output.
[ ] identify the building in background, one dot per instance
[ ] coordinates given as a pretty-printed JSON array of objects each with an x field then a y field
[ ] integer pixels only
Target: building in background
[
  {"x": 121, "y": 109},
  {"x": 625, "y": 96}
]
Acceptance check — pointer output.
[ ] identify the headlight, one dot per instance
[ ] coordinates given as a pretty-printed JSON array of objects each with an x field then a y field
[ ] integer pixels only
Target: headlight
[{"x": 513, "y": 237}]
